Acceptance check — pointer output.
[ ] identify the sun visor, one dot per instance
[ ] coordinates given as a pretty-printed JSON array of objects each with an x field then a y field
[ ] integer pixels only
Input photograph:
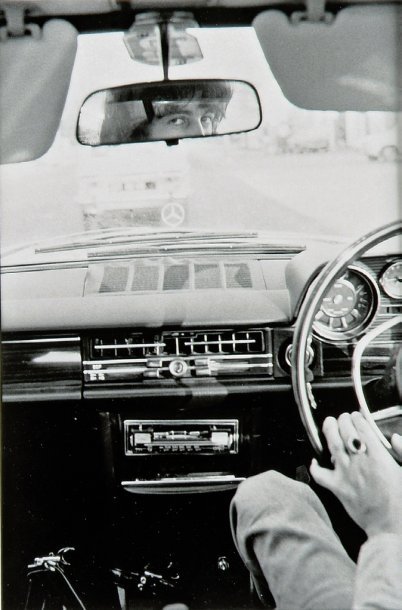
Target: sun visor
[
  {"x": 35, "y": 74},
  {"x": 352, "y": 63}
]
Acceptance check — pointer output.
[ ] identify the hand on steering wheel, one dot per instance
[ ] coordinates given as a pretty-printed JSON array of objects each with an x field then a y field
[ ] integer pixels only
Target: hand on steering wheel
[{"x": 366, "y": 478}]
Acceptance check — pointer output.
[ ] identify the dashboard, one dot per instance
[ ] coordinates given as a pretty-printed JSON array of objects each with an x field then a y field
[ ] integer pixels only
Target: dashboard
[{"x": 227, "y": 326}]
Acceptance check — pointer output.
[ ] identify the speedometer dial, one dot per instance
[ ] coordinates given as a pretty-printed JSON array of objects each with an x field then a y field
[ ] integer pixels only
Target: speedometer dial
[
  {"x": 348, "y": 306},
  {"x": 340, "y": 301},
  {"x": 391, "y": 280}
]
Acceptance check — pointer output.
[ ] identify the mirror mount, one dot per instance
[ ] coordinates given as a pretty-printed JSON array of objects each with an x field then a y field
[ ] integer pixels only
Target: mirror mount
[
  {"x": 315, "y": 13},
  {"x": 164, "y": 38},
  {"x": 155, "y": 38},
  {"x": 16, "y": 26}
]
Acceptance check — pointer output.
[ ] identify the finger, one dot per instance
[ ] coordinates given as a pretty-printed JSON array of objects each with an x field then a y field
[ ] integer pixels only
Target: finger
[
  {"x": 335, "y": 443},
  {"x": 322, "y": 476},
  {"x": 396, "y": 442},
  {"x": 366, "y": 433},
  {"x": 349, "y": 434}
]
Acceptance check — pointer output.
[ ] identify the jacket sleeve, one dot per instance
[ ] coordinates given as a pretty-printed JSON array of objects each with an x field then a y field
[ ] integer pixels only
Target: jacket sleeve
[{"x": 378, "y": 584}]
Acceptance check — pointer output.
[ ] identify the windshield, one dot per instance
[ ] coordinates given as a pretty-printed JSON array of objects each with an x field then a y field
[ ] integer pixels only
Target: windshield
[{"x": 300, "y": 173}]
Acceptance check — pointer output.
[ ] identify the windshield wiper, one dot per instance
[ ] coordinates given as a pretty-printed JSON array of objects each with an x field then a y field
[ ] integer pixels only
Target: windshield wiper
[
  {"x": 191, "y": 248},
  {"x": 170, "y": 241},
  {"x": 158, "y": 237}
]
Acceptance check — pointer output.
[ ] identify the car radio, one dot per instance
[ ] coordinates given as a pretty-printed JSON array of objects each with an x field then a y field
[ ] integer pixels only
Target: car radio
[{"x": 159, "y": 437}]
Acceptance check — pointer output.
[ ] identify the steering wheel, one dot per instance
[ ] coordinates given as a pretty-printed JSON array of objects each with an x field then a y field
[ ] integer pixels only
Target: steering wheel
[{"x": 301, "y": 354}]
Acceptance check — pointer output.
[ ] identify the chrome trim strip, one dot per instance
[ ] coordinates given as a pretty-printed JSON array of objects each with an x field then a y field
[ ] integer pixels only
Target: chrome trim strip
[
  {"x": 120, "y": 370},
  {"x": 213, "y": 357},
  {"x": 23, "y": 268},
  {"x": 32, "y": 395},
  {"x": 128, "y": 345},
  {"x": 217, "y": 366},
  {"x": 233, "y": 365},
  {"x": 115, "y": 361},
  {"x": 167, "y": 481},
  {"x": 176, "y": 422},
  {"x": 50, "y": 340}
]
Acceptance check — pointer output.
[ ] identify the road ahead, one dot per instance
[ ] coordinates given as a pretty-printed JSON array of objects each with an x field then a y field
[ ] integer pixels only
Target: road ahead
[
  {"x": 333, "y": 193},
  {"x": 342, "y": 194}
]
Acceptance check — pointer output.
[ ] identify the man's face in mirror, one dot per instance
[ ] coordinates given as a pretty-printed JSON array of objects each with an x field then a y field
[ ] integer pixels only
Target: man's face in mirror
[{"x": 177, "y": 119}]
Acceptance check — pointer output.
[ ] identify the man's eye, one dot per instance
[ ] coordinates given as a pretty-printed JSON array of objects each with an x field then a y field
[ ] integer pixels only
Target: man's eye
[
  {"x": 177, "y": 121},
  {"x": 207, "y": 119}
]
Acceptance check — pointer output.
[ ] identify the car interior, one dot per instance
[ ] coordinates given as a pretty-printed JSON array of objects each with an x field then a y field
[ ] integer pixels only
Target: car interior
[{"x": 146, "y": 374}]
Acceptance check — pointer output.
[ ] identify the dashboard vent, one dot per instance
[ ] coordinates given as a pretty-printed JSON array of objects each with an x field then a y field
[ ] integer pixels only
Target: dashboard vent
[
  {"x": 238, "y": 276},
  {"x": 176, "y": 277},
  {"x": 181, "y": 343},
  {"x": 145, "y": 278},
  {"x": 122, "y": 347},
  {"x": 150, "y": 275},
  {"x": 224, "y": 343},
  {"x": 173, "y": 354},
  {"x": 114, "y": 279}
]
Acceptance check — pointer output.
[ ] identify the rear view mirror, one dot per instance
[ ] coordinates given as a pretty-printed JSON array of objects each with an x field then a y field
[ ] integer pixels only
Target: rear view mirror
[{"x": 168, "y": 110}]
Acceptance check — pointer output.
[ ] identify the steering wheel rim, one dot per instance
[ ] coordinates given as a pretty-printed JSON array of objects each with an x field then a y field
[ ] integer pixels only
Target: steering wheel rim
[{"x": 302, "y": 387}]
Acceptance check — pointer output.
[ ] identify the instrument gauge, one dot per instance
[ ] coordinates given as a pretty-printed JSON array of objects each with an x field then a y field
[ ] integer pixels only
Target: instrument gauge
[
  {"x": 391, "y": 280},
  {"x": 348, "y": 307}
]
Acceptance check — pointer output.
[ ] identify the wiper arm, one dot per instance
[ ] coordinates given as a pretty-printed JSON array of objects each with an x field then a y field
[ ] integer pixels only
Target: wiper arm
[
  {"x": 156, "y": 239},
  {"x": 117, "y": 245},
  {"x": 197, "y": 248}
]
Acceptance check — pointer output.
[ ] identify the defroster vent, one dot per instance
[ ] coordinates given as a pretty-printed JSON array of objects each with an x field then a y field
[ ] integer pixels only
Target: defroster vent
[{"x": 161, "y": 275}]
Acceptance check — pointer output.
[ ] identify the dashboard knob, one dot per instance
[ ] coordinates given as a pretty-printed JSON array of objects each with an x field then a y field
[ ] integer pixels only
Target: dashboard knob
[
  {"x": 309, "y": 355},
  {"x": 178, "y": 367}
]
